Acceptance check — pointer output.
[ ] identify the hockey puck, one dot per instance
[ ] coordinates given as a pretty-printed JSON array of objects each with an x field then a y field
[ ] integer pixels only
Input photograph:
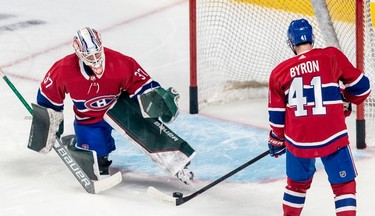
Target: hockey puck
[{"x": 177, "y": 194}]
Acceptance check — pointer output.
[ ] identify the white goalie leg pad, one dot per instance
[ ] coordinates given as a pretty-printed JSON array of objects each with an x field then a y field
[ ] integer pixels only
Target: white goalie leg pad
[
  {"x": 172, "y": 162},
  {"x": 44, "y": 127}
]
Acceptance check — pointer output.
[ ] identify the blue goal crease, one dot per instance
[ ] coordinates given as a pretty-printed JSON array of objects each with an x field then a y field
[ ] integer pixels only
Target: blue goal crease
[{"x": 221, "y": 147}]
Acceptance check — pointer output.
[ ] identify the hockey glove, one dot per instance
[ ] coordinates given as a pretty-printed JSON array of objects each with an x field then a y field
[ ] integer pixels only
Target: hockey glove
[
  {"x": 347, "y": 106},
  {"x": 276, "y": 145},
  {"x": 171, "y": 100},
  {"x": 46, "y": 125},
  {"x": 159, "y": 103}
]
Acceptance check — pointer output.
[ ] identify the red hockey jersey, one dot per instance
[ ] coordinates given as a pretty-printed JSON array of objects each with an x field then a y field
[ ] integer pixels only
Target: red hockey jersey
[
  {"x": 305, "y": 104},
  {"x": 92, "y": 96}
]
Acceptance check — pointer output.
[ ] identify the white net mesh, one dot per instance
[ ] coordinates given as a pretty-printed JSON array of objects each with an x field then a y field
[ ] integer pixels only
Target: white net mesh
[{"x": 240, "y": 42}]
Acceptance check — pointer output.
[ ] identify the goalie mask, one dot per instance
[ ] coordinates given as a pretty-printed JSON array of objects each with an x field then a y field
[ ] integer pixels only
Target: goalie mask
[{"x": 88, "y": 46}]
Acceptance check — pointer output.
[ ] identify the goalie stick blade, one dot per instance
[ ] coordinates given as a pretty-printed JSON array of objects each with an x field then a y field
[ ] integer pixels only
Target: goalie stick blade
[
  {"x": 107, "y": 183},
  {"x": 158, "y": 195}
]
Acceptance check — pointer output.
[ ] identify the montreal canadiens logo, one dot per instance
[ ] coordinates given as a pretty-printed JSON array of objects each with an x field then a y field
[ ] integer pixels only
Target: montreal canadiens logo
[{"x": 100, "y": 103}]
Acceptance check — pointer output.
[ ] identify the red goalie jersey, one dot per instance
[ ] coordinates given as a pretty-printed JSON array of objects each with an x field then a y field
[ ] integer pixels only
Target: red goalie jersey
[
  {"x": 92, "y": 96},
  {"x": 305, "y": 103}
]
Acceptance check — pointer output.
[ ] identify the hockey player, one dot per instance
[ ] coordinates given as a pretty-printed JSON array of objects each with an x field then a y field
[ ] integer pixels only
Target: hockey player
[
  {"x": 307, "y": 119},
  {"x": 98, "y": 78}
]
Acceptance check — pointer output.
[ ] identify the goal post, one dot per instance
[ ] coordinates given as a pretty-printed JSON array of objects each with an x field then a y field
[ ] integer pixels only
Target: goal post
[
  {"x": 193, "y": 88},
  {"x": 235, "y": 44},
  {"x": 360, "y": 43}
]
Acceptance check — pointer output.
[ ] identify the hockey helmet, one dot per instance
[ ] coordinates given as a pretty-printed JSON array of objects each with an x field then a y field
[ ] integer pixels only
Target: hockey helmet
[
  {"x": 300, "y": 32},
  {"x": 88, "y": 46}
]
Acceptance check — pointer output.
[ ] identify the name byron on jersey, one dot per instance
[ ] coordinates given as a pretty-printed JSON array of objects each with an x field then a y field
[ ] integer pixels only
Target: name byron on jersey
[{"x": 305, "y": 103}]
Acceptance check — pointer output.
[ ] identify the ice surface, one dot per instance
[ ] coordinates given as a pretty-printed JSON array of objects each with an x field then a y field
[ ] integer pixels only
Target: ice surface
[{"x": 225, "y": 136}]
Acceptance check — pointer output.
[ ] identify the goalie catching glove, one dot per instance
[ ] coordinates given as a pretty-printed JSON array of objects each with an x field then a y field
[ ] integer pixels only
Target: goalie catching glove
[{"x": 159, "y": 103}]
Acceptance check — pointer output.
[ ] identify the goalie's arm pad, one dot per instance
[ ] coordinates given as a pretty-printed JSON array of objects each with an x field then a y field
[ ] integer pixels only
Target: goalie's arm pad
[
  {"x": 159, "y": 103},
  {"x": 47, "y": 124}
]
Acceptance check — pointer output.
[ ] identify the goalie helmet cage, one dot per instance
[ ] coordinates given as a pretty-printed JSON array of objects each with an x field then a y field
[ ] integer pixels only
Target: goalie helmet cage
[{"x": 234, "y": 45}]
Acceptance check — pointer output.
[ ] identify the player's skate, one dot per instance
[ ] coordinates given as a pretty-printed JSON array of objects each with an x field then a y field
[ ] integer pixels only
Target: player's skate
[
  {"x": 186, "y": 176},
  {"x": 104, "y": 164}
]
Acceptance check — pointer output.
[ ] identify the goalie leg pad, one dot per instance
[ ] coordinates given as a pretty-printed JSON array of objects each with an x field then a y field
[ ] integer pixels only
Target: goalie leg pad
[
  {"x": 151, "y": 136},
  {"x": 44, "y": 128},
  {"x": 86, "y": 159}
]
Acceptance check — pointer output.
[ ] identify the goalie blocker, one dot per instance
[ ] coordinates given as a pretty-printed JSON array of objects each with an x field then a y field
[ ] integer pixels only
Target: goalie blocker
[
  {"x": 169, "y": 151},
  {"x": 47, "y": 124}
]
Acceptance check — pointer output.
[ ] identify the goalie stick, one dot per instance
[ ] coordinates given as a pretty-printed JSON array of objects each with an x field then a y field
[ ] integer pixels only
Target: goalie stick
[
  {"x": 178, "y": 198},
  {"x": 89, "y": 185}
]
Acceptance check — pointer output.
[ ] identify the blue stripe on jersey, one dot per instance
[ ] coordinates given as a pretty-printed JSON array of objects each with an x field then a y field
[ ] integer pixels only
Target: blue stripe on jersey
[
  {"x": 329, "y": 93},
  {"x": 359, "y": 88},
  {"x": 146, "y": 86},
  {"x": 318, "y": 144},
  {"x": 80, "y": 105},
  {"x": 350, "y": 201},
  {"x": 45, "y": 102},
  {"x": 294, "y": 199},
  {"x": 277, "y": 117}
]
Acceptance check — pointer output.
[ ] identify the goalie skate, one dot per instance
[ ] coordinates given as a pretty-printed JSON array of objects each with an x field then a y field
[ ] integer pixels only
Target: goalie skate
[{"x": 186, "y": 176}]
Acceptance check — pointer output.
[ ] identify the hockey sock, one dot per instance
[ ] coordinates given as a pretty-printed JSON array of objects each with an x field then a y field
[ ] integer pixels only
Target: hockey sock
[
  {"x": 294, "y": 197},
  {"x": 345, "y": 198}
]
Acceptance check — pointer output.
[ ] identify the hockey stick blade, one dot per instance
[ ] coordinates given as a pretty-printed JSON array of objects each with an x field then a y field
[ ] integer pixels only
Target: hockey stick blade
[
  {"x": 158, "y": 195},
  {"x": 89, "y": 185},
  {"x": 176, "y": 201},
  {"x": 107, "y": 183}
]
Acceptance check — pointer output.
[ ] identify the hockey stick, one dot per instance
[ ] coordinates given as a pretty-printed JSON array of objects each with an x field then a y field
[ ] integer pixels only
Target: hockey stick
[
  {"x": 89, "y": 185},
  {"x": 178, "y": 198}
]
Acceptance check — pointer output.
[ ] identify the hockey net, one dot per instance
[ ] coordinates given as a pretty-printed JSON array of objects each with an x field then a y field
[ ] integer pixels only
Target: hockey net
[{"x": 239, "y": 42}]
